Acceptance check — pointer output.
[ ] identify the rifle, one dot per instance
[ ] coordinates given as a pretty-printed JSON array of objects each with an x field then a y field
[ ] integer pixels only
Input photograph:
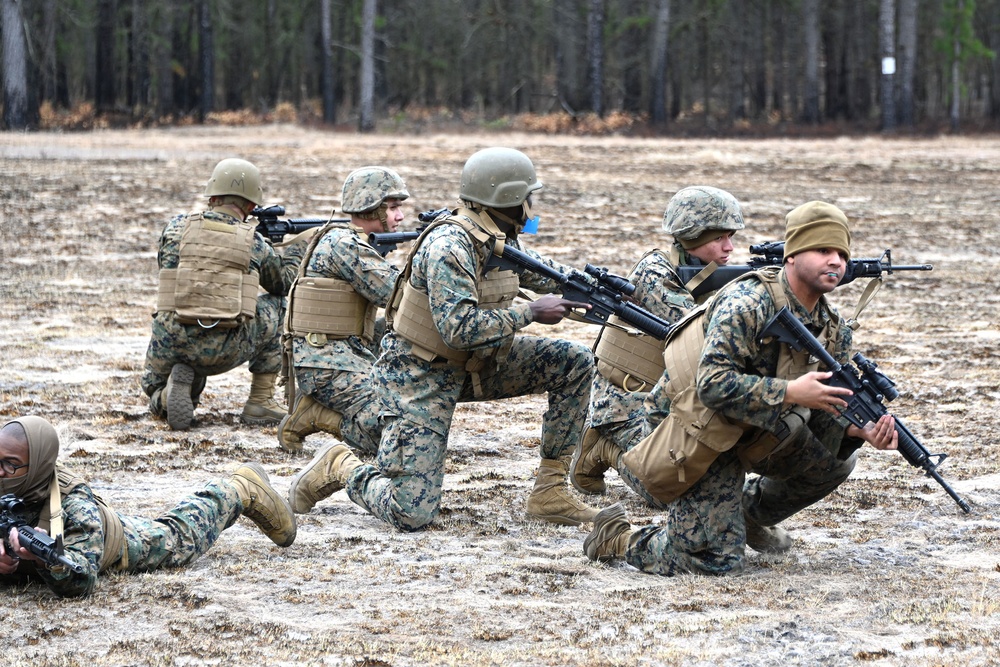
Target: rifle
[
  {"x": 871, "y": 387},
  {"x": 273, "y": 229},
  {"x": 607, "y": 295},
  {"x": 50, "y": 551},
  {"x": 772, "y": 253},
  {"x": 386, "y": 242}
]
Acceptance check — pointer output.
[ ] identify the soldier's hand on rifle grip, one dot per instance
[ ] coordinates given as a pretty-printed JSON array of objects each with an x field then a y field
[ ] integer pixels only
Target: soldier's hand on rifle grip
[
  {"x": 8, "y": 561},
  {"x": 880, "y": 435},
  {"x": 809, "y": 391},
  {"x": 551, "y": 309}
]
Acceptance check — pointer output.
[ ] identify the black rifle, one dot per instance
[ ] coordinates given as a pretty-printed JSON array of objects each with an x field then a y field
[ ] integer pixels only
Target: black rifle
[
  {"x": 871, "y": 387},
  {"x": 386, "y": 242},
  {"x": 772, "y": 253},
  {"x": 607, "y": 294},
  {"x": 273, "y": 229},
  {"x": 50, "y": 551}
]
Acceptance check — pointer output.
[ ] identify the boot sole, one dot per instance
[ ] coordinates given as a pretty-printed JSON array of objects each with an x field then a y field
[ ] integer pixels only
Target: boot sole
[
  {"x": 262, "y": 474},
  {"x": 180, "y": 406},
  {"x": 616, "y": 511}
]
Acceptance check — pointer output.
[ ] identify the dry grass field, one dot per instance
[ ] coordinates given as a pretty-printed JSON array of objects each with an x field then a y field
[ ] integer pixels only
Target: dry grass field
[{"x": 886, "y": 571}]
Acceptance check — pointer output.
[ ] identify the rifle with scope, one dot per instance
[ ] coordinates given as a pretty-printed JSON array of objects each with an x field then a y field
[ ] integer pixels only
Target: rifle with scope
[
  {"x": 50, "y": 551},
  {"x": 871, "y": 389},
  {"x": 771, "y": 253},
  {"x": 274, "y": 229}
]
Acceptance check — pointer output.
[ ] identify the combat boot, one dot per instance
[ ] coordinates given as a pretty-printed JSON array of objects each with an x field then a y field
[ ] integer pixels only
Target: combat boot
[
  {"x": 610, "y": 537},
  {"x": 552, "y": 501},
  {"x": 767, "y": 539},
  {"x": 261, "y": 409},
  {"x": 263, "y": 505},
  {"x": 326, "y": 474},
  {"x": 594, "y": 455},
  {"x": 308, "y": 416},
  {"x": 176, "y": 397}
]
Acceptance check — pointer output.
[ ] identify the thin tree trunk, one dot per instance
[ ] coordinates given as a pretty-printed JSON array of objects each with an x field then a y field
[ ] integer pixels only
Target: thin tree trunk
[
  {"x": 887, "y": 51},
  {"x": 737, "y": 31},
  {"x": 661, "y": 32},
  {"x": 810, "y": 20},
  {"x": 595, "y": 55},
  {"x": 366, "y": 122},
  {"x": 907, "y": 59},
  {"x": 329, "y": 101},
  {"x": 105, "y": 75},
  {"x": 207, "y": 59},
  {"x": 16, "y": 102},
  {"x": 955, "y": 73}
]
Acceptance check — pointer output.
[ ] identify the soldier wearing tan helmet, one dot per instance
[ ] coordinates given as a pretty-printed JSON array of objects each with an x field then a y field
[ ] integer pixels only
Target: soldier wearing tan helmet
[
  {"x": 454, "y": 338},
  {"x": 702, "y": 221},
  {"x": 331, "y": 332},
  {"x": 210, "y": 317},
  {"x": 756, "y": 405}
]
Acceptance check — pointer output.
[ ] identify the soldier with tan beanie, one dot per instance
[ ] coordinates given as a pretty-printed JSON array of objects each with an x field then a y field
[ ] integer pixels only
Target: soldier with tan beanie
[{"x": 757, "y": 405}]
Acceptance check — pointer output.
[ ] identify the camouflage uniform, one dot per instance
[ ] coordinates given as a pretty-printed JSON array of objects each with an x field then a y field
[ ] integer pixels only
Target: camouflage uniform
[
  {"x": 626, "y": 417},
  {"x": 176, "y": 538},
  {"x": 706, "y": 529},
  {"x": 403, "y": 488},
  {"x": 216, "y": 351},
  {"x": 336, "y": 374}
]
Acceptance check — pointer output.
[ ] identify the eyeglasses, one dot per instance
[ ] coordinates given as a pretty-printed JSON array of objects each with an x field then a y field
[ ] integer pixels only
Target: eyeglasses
[{"x": 9, "y": 468}]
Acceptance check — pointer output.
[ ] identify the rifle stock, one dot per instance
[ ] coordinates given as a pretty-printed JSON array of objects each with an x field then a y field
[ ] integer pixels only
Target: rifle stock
[{"x": 871, "y": 387}]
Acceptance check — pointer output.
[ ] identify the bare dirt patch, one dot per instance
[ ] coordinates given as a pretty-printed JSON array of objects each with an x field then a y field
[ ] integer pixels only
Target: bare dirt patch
[{"x": 887, "y": 571}]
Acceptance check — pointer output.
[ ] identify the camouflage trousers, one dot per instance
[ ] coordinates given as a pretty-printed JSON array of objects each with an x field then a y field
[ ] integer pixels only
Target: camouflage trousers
[
  {"x": 214, "y": 351},
  {"x": 349, "y": 393},
  {"x": 403, "y": 487},
  {"x": 705, "y": 531},
  {"x": 185, "y": 532}
]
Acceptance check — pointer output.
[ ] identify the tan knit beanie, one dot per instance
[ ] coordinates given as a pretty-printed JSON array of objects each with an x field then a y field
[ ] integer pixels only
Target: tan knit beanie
[{"x": 815, "y": 225}]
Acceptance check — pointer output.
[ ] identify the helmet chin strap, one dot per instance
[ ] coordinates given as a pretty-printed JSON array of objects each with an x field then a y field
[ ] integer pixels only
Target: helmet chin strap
[
  {"x": 382, "y": 212},
  {"x": 516, "y": 224}
]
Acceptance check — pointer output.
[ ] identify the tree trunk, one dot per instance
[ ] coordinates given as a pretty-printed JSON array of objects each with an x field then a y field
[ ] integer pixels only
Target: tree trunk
[
  {"x": 105, "y": 75},
  {"x": 326, "y": 36},
  {"x": 139, "y": 78},
  {"x": 661, "y": 33},
  {"x": 887, "y": 52},
  {"x": 956, "y": 85},
  {"x": 17, "y": 113},
  {"x": 737, "y": 11},
  {"x": 595, "y": 55},
  {"x": 366, "y": 121},
  {"x": 206, "y": 53},
  {"x": 907, "y": 59},
  {"x": 810, "y": 20}
]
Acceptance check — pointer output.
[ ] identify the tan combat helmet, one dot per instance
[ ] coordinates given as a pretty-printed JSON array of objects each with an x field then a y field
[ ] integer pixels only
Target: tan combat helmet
[
  {"x": 367, "y": 188},
  {"x": 696, "y": 210},
  {"x": 498, "y": 178},
  {"x": 237, "y": 177}
]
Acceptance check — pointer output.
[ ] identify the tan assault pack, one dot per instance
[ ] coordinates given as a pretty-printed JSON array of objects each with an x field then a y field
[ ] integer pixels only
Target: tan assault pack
[
  {"x": 680, "y": 450},
  {"x": 212, "y": 284}
]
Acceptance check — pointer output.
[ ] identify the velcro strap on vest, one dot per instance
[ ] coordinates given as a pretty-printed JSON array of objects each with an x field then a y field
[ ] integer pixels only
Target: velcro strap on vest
[{"x": 328, "y": 306}]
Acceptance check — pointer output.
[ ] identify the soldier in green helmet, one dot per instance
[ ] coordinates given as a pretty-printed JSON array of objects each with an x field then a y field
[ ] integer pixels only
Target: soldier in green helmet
[
  {"x": 331, "y": 328},
  {"x": 210, "y": 317},
  {"x": 454, "y": 338},
  {"x": 702, "y": 221}
]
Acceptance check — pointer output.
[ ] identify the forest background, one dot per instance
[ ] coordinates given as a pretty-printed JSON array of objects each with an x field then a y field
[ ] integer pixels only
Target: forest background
[{"x": 639, "y": 67}]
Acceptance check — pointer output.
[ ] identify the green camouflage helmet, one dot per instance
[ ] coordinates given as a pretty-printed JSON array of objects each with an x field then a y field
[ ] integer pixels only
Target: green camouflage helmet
[
  {"x": 366, "y": 188},
  {"x": 498, "y": 178},
  {"x": 697, "y": 209},
  {"x": 238, "y": 177}
]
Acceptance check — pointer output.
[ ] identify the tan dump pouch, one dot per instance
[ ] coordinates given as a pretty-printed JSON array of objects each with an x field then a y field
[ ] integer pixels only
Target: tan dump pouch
[
  {"x": 329, "y": 306},
  {"x": 678, "y": 452},
  {"x": 632, "y": 363}
]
